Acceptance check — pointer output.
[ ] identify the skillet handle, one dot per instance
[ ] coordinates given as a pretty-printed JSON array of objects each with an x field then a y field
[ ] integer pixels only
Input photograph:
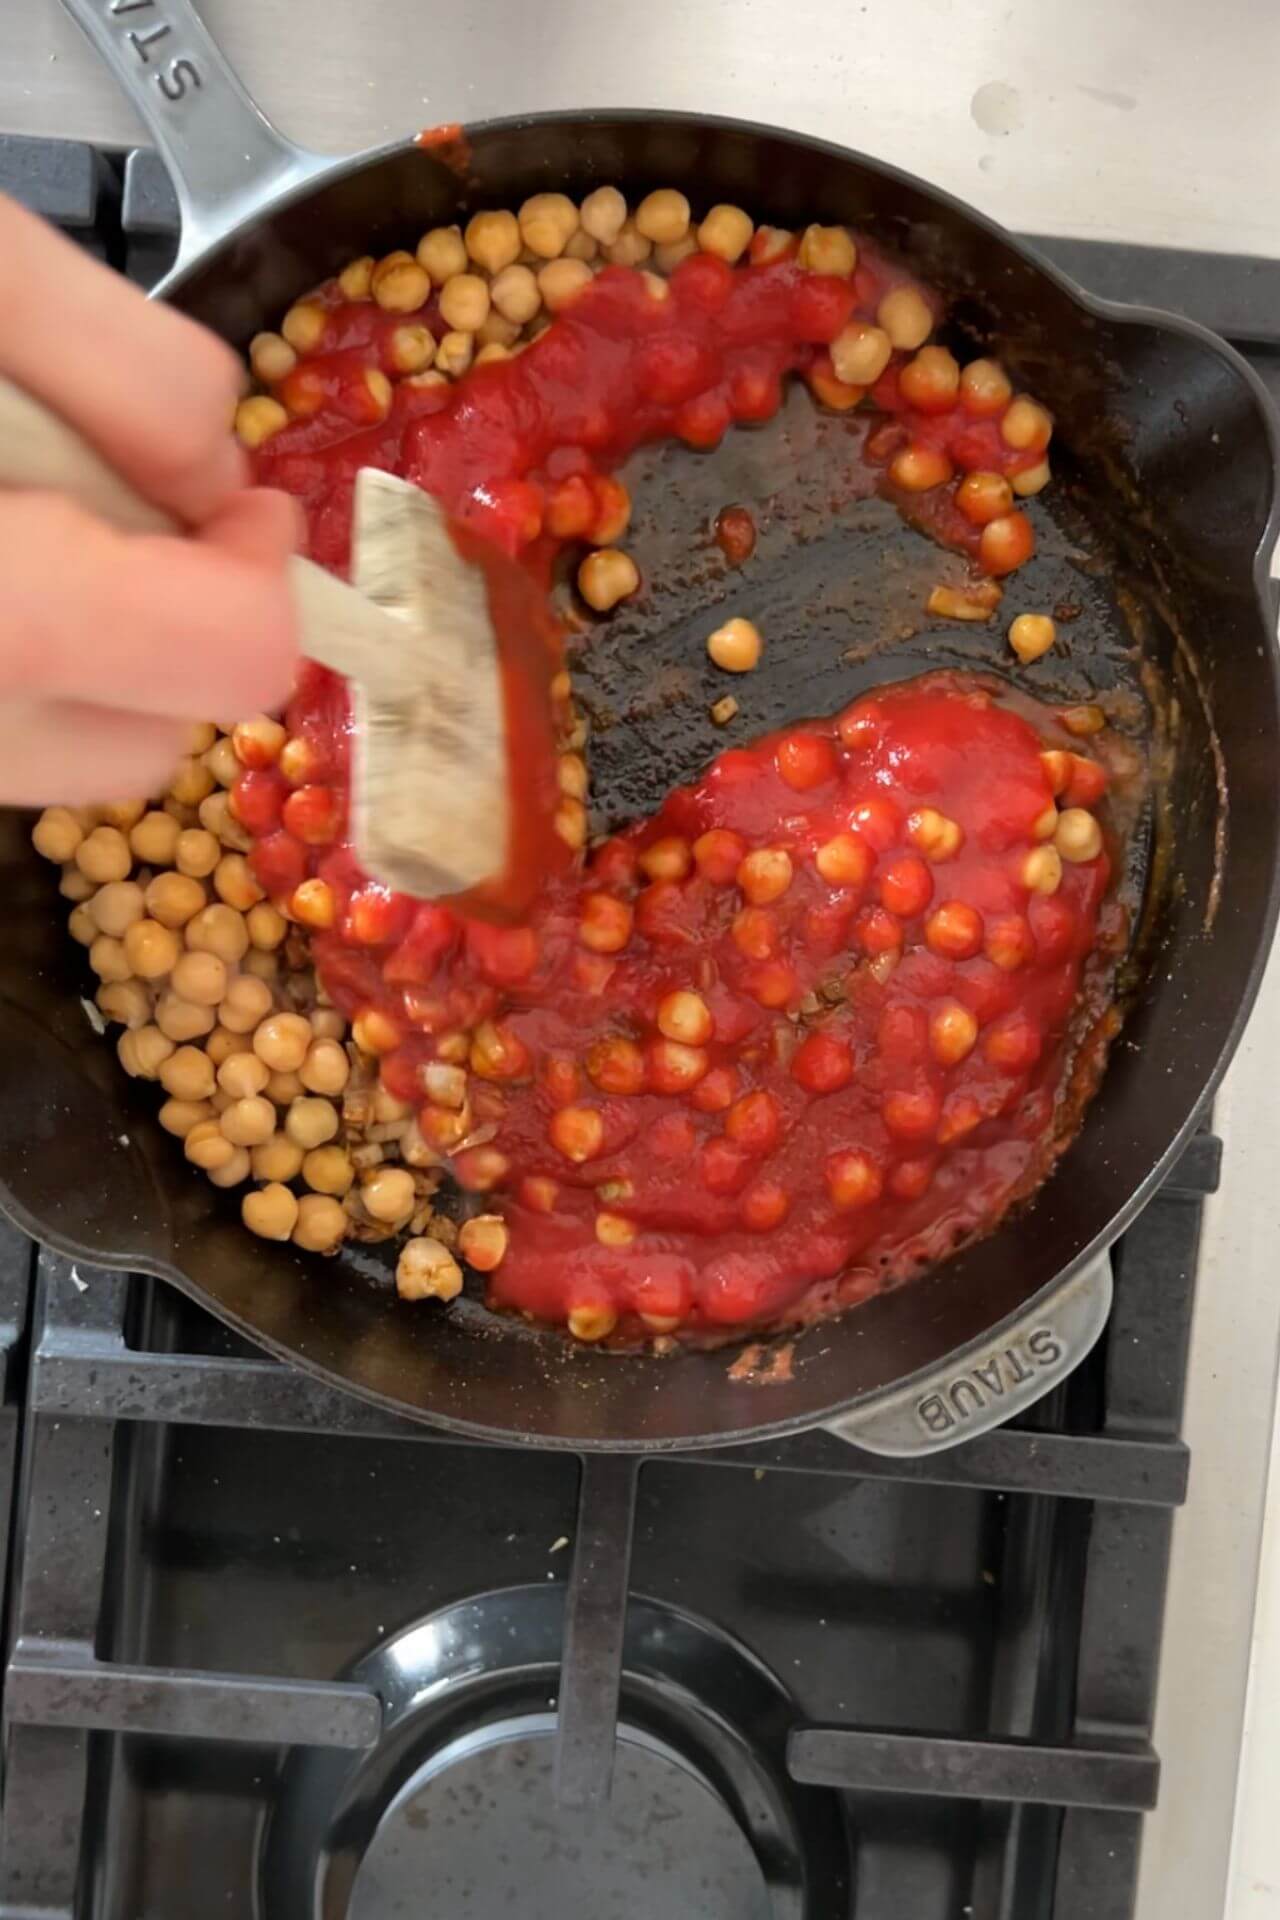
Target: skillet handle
[
  {"x": 1008, "y": 1373},
  {"x": 226, "y": 158}
]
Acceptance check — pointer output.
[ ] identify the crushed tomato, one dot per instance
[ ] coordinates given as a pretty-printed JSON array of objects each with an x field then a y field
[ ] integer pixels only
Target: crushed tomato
[{"x": 889, "y": 1030}]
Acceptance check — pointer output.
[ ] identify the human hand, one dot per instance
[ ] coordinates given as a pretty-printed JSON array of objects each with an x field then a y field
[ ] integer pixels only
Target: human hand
[{"x": 111, "y": 643}]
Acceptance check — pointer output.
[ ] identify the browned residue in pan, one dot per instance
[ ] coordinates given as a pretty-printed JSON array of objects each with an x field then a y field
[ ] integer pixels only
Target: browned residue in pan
[{"x": 760, "y": 1366}]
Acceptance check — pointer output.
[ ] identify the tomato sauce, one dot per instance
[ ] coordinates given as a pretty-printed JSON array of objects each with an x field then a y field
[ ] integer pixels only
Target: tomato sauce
[{"x": 813, "y": 1017}]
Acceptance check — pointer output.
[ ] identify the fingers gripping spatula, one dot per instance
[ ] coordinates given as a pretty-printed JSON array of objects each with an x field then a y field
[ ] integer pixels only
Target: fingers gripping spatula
[{"x": 414, "y": 634}]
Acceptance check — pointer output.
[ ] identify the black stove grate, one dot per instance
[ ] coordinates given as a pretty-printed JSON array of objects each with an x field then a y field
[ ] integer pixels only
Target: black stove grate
[{"x": 964, "y": 1647}]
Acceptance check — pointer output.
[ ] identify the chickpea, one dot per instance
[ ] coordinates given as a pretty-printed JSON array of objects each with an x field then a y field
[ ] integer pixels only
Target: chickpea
[
  {"x": 104, "y": 855},
  {"x": 267, "y": 926},
  {"x": 143, "y": 1051},
  {"x": 311, "y": 1121},
  {"x": 577, "y": 1133},
  {"x": 109, "y": 960},
  {"x": 1031, "y": 480},
  {"x": 271, "y": 1212},
  {"x": 985, "y": 387},
  {"x": 57, "y": 834},
  {"x": 493, "y": 351},
  {"x": 207, "y": 1147},
  {"x": 257, "y": 742},
  {"x": 399, "y": 284},
  {"x": 686, "y": 1017},
  {"x": 983, "y": 496},
  {"x": 284, "y": 1088},
  {"x": 389, "y": 1195},
  {"x": 663, "y": 216},
  {"x": 934, "y": 835},
  {"x": 446, "y": 1085},
  {"x": 607, "y": 576},
  {"x": 219, "y": 930},
  {"x": 770, "y": 245},
  {"x": 233, "y": 882},
  {"x": 1078, "y": 837},
  {"x": 375, "y": 1032},
  {"x": 628, "y": 248},
  {"x": 442, "y": 253},
  {"x": 249, "y": 1122},
  {"x": 123, "y": 814},
  {"x": 668, "y": 255},
  {"x": 187, "y": 1074},
  {"x": 180, "y": 1116},
  {"x": 278, "y": 1158},
  {"x": 74, "y": 886},
  {"x": 1042, "y": 870},
  {"x": 326, "y": 1070},
  {"x": 355, "y": 282},
  {"x": 234, "y": 1173},
  {"x": 931, "y": 380},
  {"x": 82, "y": 926},
  {"x": 561, "y": 281},
  {"x": 1082, "y": 721},
  {"x": 314, "y": 904},
  {"x": 493, "y": 240},
  {"x": 1026, "y": 425},
  {"x": 860, "y": 353},
  {"x": 247, "y": 1001},
  {"x": 282, "y": 1041},
  {"x": 547, "y": 223},
  {"x": 571, "y": 775},
  {"x": 117, "y": 906},
  {"x": 223, "y": 762},
  {"x": 570, "y": 822},
  {"x": 217, "y": 818},
  {"x": 765, "y": 875},
  {"x": 328, "y": 1170},
  {"x": 828, "y": 250},
  {"x": 263, "y": 966},
  {"x": 321, "y": 1224},
  {"x": 378, "y": 388},
  {"x": 593, "y": 1321},
  {"x": 603, "y": 214},
  {"x": 222, "y": 1043},
  {"x": 242, "y": 1075},
  {"x": 580, "y": 246},
  {"x": 154, "y": 840},
  {"x": 125, "y": 1001},
  {"x": 918, "y": 469},
  {"x": 615, "y": 1230},
  {"x": 411, "y": 349},
  {"x": 515, "y": 295},
  {"x": 736, "y": 646},
  {"x": 183, "y": 1019},
  {"x": 190, "y": 782},
  {"x": 482, "y": 1241},
  {"x": 453, "y": 354},
  {"x": 328, "y": 1024},
  {"x": 174, "y": 898},
  {"x": 906, "y": 317},
  {"x": 726, "y": 232},
  {"x": 200, "y": 978},
  {"x": 303, "y": 326},
  {"x": 427, "y": 1271},
  {"x": 196, "y": 853},
  {"x": 667, "y": 858},
  {"x": 1031, "y": 635},
  {"x": 258, "y": 419},
  {"x": 153, "y": 950},
  {"x": 953, "y": 1033}
]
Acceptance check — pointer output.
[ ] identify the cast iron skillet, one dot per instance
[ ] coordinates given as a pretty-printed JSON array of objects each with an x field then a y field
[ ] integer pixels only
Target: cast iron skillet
[{"x": 1167, "y": 487}]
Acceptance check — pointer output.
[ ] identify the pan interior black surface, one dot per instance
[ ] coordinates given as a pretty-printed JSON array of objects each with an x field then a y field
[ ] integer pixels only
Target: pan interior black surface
[{"x": 1153, "y": 530}]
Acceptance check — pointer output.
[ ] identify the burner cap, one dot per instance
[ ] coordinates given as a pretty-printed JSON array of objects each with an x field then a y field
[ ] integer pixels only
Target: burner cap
[{"x": 475, "y": 1834}]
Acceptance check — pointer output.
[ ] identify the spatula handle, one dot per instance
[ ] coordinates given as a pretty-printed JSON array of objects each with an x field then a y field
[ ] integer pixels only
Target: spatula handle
[{"x": 338, "y": 626}]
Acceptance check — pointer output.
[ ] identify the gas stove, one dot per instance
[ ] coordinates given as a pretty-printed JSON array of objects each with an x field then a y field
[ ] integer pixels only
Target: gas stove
[{"x": 273, "y": 1651}]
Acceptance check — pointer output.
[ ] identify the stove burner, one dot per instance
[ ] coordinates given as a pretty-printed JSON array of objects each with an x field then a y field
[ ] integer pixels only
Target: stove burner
[
  {"x": 476, "y": 1834},
  {"x": 452, "y": 1816}
]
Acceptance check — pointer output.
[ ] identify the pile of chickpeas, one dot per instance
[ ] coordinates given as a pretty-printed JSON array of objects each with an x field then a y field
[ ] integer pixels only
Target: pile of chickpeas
[
  {"x": 217, "y": 1002},
  {"x": 210, "y": 982}
]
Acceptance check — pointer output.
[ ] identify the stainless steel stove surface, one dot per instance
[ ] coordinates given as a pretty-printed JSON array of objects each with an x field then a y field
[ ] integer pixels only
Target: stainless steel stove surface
[{"x": 274, "y": 1652}]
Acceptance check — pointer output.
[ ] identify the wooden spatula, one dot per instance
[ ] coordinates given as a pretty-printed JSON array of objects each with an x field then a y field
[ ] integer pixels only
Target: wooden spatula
[{"x": 430, "y": 806}]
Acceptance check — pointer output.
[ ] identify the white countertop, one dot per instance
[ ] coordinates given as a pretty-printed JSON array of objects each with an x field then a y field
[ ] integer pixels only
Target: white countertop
[
  {"x": 1109, "y": 119},
  {"x": 1145, "y": 120}
]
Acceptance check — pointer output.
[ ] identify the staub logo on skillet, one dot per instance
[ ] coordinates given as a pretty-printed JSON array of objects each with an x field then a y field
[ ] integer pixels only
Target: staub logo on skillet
[
  {"x": 999, "y": 1377},
  {"x": 142, "y": 25}
]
